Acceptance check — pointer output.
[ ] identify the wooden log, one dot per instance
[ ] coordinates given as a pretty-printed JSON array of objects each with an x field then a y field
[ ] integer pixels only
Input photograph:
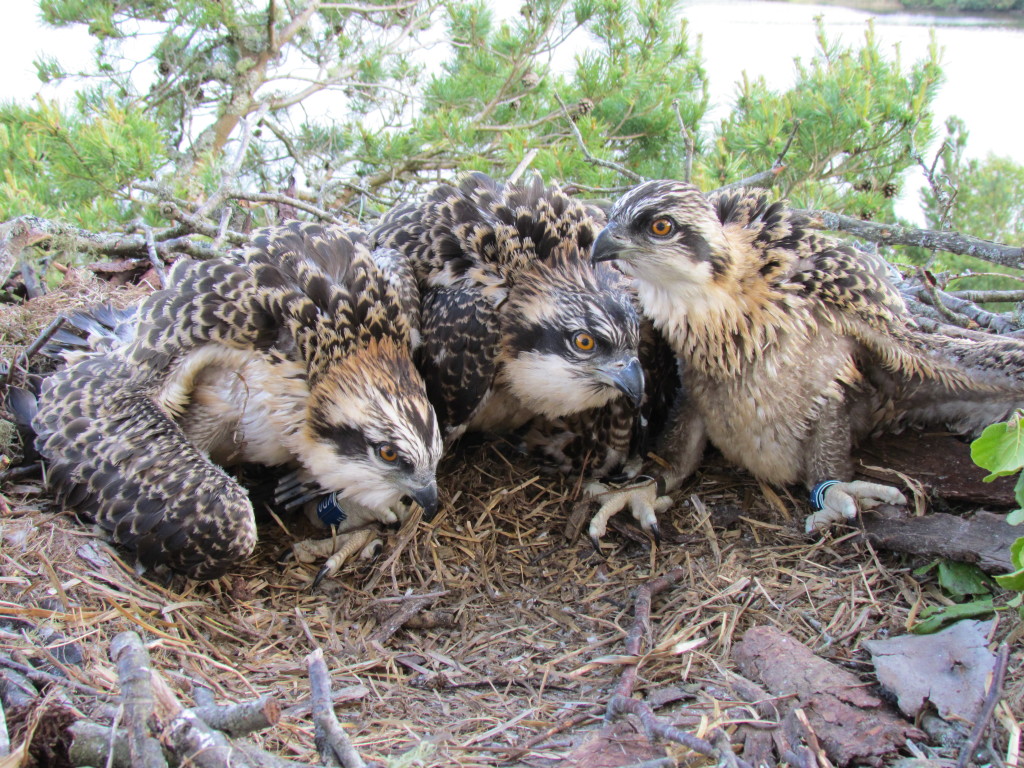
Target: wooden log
[
  {"x": 983, "y": 538},
  {"x": 827, "y": 705}
]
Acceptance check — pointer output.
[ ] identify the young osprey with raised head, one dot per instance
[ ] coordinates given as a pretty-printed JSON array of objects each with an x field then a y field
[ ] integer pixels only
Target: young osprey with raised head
[
  {"x": 297, "y": 351},
  {"x": 792, "y": 345},
  {"x": 518, "y": 326}
]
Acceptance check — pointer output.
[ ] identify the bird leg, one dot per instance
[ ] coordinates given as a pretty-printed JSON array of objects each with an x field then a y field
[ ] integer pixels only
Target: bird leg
[
  {"x": 828, "y": 457},
  {"x": 680, "y": 448},
  {"x": 642, "y": 499},
  {"x": 840, "y": 501},
  {"x": 337, "y": 549}
]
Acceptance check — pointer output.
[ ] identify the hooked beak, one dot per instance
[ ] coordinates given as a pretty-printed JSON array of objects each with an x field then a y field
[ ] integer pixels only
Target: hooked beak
[
  {"x": 426, "y": 497},
  {"x": 607, "y": 247},
  {"x": 627, "y": 377}
]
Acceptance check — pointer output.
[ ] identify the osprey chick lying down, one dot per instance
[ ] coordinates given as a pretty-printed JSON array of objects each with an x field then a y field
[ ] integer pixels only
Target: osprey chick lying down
[
  {"x": 296, "y": 351},
  {"x": 793, "y": 346}
]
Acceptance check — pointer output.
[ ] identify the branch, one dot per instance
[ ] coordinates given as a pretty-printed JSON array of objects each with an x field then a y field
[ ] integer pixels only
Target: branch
[
  {"x": 894, "y": 234},
  {"x": 636, "y": 177},
  {"x": 764, "y": 179},
  {"x": 136, "y": 675},
  {"x": 275, "y": 197},
  {"x": 988, "y": 297},
  {"x": 330, "y": 736},
  {"x": 687, "y": 139},
  {"x": 984, "y": 318}
]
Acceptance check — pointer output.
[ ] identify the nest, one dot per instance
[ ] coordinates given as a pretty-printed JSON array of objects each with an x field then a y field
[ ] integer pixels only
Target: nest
[{"x": 518, "y": 638}]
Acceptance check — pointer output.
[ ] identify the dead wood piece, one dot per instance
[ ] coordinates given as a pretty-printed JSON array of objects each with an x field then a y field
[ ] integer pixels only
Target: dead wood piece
[
  {"x": 16, "y": 690},
  {"x": 399, "y": 618},
  {"x": 984, "y": 538},
  {"x": 941, "y": 463},
  {"x": 135, "y": 673},
  {"x": 331, "y": 739},
  {"x": 188, "y": 737},
  {"x": 948, "y": 669},
  {"x": 852, "y": 726},
  {"x": 94, "y": 744},
  {"x": 622, "y": 701},
  {"x": 242, "y": 718},
  {"x": 618, "y": 744},
  {"x": 5, "y": 738}
]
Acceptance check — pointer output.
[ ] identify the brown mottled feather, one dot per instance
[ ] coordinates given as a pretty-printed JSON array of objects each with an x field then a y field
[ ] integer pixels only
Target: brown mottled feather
[
  {"x": 251, "y": 358},
  {"x": 793, "y": 345},
  {"x": 504, "y": 274}
]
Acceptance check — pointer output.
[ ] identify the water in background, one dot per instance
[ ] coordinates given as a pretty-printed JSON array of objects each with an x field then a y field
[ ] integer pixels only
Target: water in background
[{"x": 982, "y": 61}]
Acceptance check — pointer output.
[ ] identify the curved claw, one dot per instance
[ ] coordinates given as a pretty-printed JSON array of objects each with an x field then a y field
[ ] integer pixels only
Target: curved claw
[
  {"x": 641, "y": 499},
  {"x": 655, "y": 532},
  {"x": 323, "y": 573},
  {"x": 596, "y": 542}
]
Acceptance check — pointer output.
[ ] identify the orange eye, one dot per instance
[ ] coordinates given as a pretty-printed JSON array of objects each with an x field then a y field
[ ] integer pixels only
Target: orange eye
[
  {"x": 388, "y": 452},
  {"x": 583, "y": 341},
  {"x": 661, "y": 227}
]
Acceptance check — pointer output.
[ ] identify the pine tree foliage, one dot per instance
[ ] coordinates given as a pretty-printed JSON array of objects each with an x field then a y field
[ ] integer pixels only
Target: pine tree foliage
[{"x": 859, "y": 119}]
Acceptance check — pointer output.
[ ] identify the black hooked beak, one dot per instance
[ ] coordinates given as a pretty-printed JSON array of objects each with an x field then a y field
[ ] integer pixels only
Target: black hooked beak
[
  {"x": 626, "y": 377},
  {"x": 426, "y": 497},
  {"x": 607, "y": 246}
]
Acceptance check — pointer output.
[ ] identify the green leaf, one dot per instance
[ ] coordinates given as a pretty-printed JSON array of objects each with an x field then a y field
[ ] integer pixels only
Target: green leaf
[
  {"x": 1017, "y": 553},
  {"x": 1000, "y": 448},
  {"x": 962, "y": 578},
  {"x": 1016, "y": 517},
  {"x": 936, "y": 617},
  {"x": 1018, "y": 492},
  {"x": 1014, "y": 581}
]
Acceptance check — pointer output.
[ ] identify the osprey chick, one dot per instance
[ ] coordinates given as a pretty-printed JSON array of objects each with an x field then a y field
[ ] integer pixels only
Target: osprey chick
[
  {"x": 520, "y": 329},
  {"x": 295, "y": 351},
  {"x": 793, "y": 346},
  {"x": 516, "y": 322}
]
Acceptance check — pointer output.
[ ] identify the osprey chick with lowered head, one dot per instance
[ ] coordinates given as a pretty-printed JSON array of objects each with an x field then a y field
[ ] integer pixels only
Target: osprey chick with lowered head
[
  {"x": 793, "y": 346},
  {"x": 296, "y": 351}
]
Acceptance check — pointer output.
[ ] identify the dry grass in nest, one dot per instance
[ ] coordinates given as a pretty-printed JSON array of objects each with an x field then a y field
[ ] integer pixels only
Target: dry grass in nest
[
  {"x": 20, "y": 324},
  {"x": 528, "y": 631}
]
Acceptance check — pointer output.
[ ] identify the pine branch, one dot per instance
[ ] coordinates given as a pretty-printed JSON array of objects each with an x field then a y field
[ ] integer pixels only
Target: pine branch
[{"x": 631, "y": 175}]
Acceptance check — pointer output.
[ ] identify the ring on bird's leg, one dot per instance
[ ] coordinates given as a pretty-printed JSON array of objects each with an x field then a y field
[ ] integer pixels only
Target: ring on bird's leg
[
  {"x": 835, "y": 501},
  {"x": 641, "y": 497}
]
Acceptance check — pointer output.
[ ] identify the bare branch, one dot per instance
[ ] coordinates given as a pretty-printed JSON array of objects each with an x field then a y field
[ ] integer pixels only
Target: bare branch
[
  {"x": 988, "y": 297},
  {"x": 688, "y": 139},
  {"x": 764, "y": 179},
  {"x": 154, "y": 257},
  {"x": 789, "y": 142},
  {"x": 894, "y": 234},
  {"x": 985, "y": 319},
  {"x": 523, "y": 165},
  {"x": 275, "y": 197},
  {"x": 636, "y": 177}
]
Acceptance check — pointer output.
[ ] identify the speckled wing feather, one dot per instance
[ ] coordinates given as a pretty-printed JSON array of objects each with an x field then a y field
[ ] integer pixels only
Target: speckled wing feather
[
  {"x": 850, "y": 290},
  {"x": 468, "y": 245},
  {"x": 304, "y": 292},
  {"x": 457, "y": 359},
  {"x": 117, "y": 458}
]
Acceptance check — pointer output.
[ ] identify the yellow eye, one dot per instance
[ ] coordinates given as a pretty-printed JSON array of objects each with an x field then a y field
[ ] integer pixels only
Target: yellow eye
[
  {"x": 661, "y": 227},
  {"x": 388, "y": 452},
  {"x": 583, "y": 341}
]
